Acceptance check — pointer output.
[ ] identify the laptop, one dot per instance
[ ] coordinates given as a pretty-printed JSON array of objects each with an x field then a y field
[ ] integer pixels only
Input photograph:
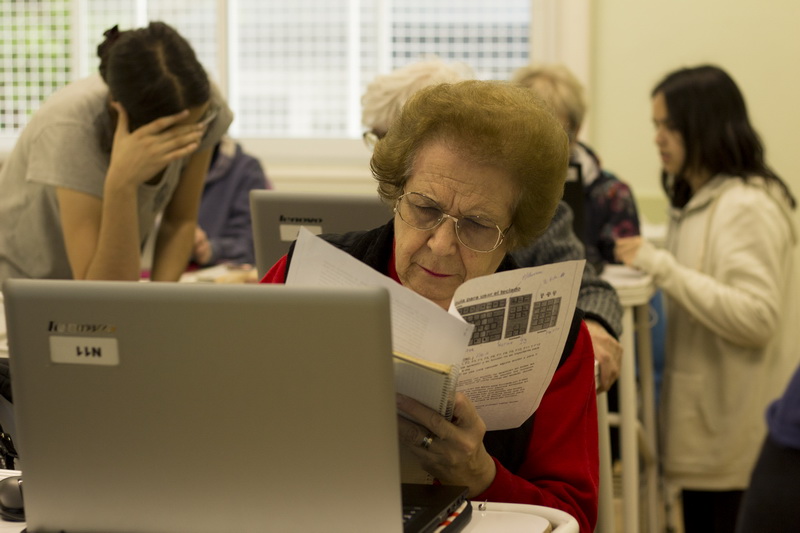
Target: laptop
[
  {"x": 278, "y": 215},
  {"x": 191, "y": 407}
]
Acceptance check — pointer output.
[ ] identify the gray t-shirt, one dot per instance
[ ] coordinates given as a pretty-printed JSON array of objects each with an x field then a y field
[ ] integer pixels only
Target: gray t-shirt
[{"x": 67, "y": 144}]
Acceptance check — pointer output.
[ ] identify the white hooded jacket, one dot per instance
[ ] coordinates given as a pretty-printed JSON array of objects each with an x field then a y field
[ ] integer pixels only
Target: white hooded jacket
[{"x": 732, "y": 328}]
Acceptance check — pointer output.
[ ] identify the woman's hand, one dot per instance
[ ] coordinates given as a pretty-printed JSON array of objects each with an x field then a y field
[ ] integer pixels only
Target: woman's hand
[
  {"x": 607, "y": 353},
  {"x": 201, "y": 252},
  {"x": 138, "y": 156},
  {"x": 455, "y": 454},
  {"x": 626, "y": 248}
]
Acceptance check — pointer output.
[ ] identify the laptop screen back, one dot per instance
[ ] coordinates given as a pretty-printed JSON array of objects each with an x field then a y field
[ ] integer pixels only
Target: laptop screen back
[
  {"x": 207, "y": 408},
  {"x": 278, "y": 215}
]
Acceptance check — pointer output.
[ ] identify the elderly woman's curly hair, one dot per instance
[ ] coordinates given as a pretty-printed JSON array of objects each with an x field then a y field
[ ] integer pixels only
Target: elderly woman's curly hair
[
  {"x": 490, "y": 123},
  {"x": 386, "y": 94}
]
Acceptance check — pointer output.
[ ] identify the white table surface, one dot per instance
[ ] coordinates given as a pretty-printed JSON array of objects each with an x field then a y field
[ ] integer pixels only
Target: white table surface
[
  {"x": 497, "y": 520},
  {"x": 505, "y": 517},
  {"x": 512, "y": 518}
]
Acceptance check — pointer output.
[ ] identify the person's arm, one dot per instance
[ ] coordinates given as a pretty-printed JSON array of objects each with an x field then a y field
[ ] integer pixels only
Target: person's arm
[
  {"x": 456, "y": 455},
  {"x": 740, "y": 299},
  {"x": 770, "y": 502},
  {"x": 277, "y": 273},
  {"x": 202, "y": 254},
  {"x": 612, "y": 215},
  {"x": 597, "y": 298},
  {"x": 102, "y": 235},
  {"x": 177, "y": 230},
  {"x": 561, "y": 468},
  {"x": 561, "y": 465}
]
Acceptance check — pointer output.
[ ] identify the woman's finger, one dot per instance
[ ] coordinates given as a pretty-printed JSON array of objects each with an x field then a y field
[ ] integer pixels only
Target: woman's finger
[
  {"x": 122, "y": 118},
  {"x": 412, "y": 434},
  {"x": 464, "y": 413},
  {"x": 170, "y": 145},
  {"x": 163, "y": 123},
  {"x": 181, "y": 151},
  {"x": 423, "y": 415}
]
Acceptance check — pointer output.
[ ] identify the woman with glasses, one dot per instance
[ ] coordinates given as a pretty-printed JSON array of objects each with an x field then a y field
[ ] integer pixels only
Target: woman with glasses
[
  {"x": 104, "y": 156},
  {"x": 475, "y": 170},
  {"x": 381, "y": 104}
]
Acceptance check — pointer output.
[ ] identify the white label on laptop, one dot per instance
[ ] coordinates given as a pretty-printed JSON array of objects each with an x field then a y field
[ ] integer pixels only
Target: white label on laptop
[
  {"x": 84, "y": 350},
  {"x": 289, "y": 231}
]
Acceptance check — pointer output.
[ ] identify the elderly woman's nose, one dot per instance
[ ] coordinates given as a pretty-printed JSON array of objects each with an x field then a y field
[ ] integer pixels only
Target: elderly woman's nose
[{"x": 443, "y": 239}]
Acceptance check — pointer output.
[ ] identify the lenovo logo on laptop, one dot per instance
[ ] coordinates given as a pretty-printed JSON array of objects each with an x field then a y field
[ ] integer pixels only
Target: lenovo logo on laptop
[
  {"x": 56, "y": 327},
  {"x": 69, "y": 349}
]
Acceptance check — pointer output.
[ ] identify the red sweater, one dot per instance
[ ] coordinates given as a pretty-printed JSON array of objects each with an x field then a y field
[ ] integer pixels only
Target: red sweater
[{"x": 562, "y": 463}]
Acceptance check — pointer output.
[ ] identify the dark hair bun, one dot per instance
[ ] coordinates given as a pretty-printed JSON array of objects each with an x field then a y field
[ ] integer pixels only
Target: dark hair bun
[{"x": 111, "y": 36}]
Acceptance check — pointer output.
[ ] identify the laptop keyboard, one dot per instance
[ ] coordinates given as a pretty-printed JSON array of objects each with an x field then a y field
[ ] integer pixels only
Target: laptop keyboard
[{"x": 410, "y": 512}]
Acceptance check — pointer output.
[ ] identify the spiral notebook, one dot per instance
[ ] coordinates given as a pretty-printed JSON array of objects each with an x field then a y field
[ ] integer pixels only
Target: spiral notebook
[
  {"x": 433, "y": 384},
  {"x": 193, "y": 407}
]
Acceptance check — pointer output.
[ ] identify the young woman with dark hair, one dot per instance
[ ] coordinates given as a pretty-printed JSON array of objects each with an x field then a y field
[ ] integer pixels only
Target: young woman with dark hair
[
  {"x": 727, "y": 274},
  {"x": 104, "y": 156},
  {"x": 709, "y": 112}
]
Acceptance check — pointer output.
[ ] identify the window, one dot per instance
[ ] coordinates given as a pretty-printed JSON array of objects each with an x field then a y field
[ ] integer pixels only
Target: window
[
  {"x": 303, "y": 65},
  {"x": 289, "y": 69},
  {"x": 35, "y": 57}
]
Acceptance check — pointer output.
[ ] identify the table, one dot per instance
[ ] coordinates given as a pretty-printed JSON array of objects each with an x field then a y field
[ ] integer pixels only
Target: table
[
  {"x": 487, "y": 517},
  {"x": 637, "y": 435},
  {"x": 513, "y": 517},
  {"x": 222, "y": 273}
]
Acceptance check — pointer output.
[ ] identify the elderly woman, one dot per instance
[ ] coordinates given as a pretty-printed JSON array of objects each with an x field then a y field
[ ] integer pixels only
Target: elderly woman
[
  {"x": 381, "y": 104},
  {"x": 474, "y": 170}
]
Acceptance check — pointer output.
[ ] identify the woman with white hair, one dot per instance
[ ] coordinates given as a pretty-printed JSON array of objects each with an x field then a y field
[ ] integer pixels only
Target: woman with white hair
[{"x": 609, "y": 206}]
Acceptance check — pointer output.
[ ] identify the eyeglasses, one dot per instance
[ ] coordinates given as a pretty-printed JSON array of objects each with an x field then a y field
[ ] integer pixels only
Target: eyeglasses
[{"x": 477, "y": 233}]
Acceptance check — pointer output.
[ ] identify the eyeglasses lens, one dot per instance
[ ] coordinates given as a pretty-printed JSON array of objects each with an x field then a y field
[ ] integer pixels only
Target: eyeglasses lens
[{"x": 476, "y": 233}]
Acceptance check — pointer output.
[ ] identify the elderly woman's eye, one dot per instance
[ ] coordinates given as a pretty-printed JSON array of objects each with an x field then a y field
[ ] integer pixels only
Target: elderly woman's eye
[
  {"x": 428, "y": 211},
  {"x": 477, "y": 224}
]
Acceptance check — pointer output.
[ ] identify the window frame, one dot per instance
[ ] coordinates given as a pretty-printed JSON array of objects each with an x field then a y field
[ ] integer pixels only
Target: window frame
[
  {"x": 560, "y": 32},
  {"x": 343, "y": 164}
]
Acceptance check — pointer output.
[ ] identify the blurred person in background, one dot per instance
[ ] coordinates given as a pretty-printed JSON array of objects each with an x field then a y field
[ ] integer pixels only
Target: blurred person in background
[
  {"x": 104, "y": 156},
  {"x": 727, "y": 274},
  {"x": 224, "y": 231},
  {"x": 609, "y": 207}
]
